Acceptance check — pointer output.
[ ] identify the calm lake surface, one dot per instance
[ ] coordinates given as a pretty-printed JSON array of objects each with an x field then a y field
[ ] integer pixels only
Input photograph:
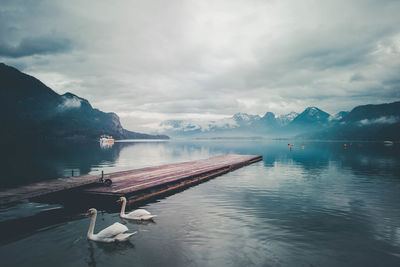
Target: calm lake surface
[{"x": 318, "y": 206}]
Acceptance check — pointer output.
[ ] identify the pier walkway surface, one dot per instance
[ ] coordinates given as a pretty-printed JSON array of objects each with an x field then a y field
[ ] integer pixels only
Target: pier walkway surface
[{"x": 138, "y": 184}]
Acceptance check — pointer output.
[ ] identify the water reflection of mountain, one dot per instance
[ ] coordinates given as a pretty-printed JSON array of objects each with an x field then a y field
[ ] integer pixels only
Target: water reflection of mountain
[
  {"x": 317, "y": 197},
  {"x": 374, "y": 158},
  {"x": 313, "y": 157},
  {"x": 31, "y": 163}
]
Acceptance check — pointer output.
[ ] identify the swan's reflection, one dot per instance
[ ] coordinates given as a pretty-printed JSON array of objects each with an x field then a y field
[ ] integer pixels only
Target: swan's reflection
[
  {"x": 138, "y": 222},
  {"x": 114, "y": 247},
  {"x": 107, "y": 248},
  {"x": 142, "y": 225},
  {"x": 92, "y": 261}
]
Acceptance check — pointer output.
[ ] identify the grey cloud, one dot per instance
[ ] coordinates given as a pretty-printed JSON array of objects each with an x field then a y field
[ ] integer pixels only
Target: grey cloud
[
  {"x": 357, "y": 77},
  {"x": 392, "y": 83},
  {"x": 30, "y": 46},
  {"x": 325, "y": 59}
]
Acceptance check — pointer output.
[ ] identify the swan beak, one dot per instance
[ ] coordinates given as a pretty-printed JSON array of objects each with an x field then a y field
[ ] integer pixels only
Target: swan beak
[
  {"x": 119, "y": 200},
  {"x": 87, "y": 213}
]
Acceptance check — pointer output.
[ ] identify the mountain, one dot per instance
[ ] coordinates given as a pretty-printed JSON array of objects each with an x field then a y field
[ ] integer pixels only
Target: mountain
[
  {"x": 240, "y": 124},
  {"x": 285, "y": 119},
  {"x": 192, "y": 127},
  {"x": 32, "y": 111},
  {"x": 374, "y": 114},
  {"x": 245, "y": 120},
  {"x": 269, "y": 121},
  {"x": 338, "y": 116},
  {"x": 366, "y": 122},
  {"x": 310, "y": 117}
]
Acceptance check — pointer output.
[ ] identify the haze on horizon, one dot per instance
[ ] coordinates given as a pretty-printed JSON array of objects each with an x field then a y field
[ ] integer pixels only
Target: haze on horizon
[{"x": 150, "y": 61}]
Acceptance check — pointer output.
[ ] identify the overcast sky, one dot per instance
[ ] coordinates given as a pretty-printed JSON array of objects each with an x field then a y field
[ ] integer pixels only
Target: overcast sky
[{"x": 153, "y": 60}]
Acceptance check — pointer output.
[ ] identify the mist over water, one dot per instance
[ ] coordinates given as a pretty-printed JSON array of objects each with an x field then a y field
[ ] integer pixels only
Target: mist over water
[{"x": 319, "y": 204}]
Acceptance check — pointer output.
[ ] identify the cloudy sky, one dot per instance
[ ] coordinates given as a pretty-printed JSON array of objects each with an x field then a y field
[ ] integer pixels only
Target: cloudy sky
[{"x": 154, "y": 60}]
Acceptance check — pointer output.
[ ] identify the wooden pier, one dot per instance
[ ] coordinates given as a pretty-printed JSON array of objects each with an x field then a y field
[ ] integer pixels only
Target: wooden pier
[{"x": 136, "y": 184}]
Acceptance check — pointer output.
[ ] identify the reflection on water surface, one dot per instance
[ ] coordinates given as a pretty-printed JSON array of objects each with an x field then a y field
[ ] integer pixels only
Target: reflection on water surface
[{"x": 318, "y": 204}]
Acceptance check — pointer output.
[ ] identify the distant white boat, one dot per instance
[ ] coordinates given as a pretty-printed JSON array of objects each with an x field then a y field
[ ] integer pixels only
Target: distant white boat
[
  {"x": 388, "y": 143},
  {"x": 106, "y": 139}
]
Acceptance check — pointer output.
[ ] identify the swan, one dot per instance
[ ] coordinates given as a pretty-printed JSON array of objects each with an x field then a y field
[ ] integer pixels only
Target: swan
[
  {"x": 139, "y": 215},
  {"x": 113, "y": 233}
]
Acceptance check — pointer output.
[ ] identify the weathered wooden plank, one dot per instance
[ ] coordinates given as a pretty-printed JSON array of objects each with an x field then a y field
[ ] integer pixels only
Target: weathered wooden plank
[
  {"x": 43, "y": 188},
  {"x": 166, "y": 174},
  {"x": 126, "y": 182}
]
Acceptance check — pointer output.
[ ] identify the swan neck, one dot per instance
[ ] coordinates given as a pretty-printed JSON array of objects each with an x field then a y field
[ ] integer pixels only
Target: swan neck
[
  {"x": 123, "y": 208},
  {"x": 92, "y": 223}
]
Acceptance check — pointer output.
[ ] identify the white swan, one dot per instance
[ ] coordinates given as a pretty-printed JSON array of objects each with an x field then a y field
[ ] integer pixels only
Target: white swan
[
  {"x": 139, "y": 215},
  {"x": 112, "y": 233}
]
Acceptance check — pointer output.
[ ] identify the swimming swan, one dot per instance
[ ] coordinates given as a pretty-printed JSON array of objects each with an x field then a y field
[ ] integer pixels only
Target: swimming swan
[
  {"x": 113, "y": 233},
  {"x": 139, "y": 215}
]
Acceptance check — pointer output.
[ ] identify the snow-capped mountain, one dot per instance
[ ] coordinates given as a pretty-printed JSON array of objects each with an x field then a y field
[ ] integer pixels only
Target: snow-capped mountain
[
  {"x": 310, "y": 117},
  {"x": 243, "y": 123},
  {"x": 338, "y": 116},
  {"x": 237, "y": 122},
  {"x": 362, "y": 122},
  {"x": 285, "y": 119},
  {"x": 244, "y": 119},
  {"x": 197, "y": 126}
]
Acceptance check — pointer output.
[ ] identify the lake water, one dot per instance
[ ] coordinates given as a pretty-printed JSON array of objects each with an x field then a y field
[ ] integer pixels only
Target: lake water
[{"x": 317, "y": 205}]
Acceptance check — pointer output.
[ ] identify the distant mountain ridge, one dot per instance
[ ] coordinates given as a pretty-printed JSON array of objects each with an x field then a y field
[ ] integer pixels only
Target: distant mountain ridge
[
  {"x": 369, "y": 122},
  {"x": 366, "y": 122},
  {"x": 31, "y": 110},
  {"x": 245, "y": 124}
]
